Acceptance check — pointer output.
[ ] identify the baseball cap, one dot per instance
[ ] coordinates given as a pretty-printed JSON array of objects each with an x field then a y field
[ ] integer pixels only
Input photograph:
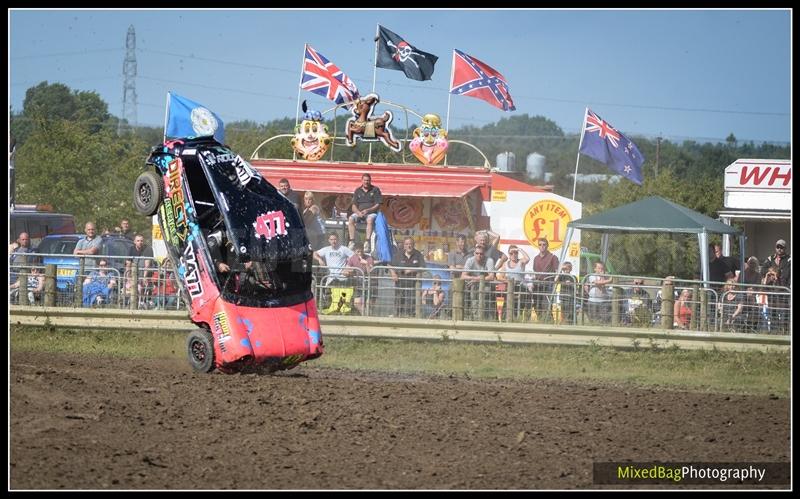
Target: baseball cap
[{"x": 780, "y": 242}]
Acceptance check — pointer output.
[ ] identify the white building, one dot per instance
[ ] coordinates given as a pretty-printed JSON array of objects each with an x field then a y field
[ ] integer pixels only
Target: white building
[{"x": 758, "y": 193}]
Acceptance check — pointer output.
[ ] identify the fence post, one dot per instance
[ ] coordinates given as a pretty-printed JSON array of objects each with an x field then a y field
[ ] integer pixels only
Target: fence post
[
  {"x": 78, "y": 291},
  {"x": 694, "y": 321},
  {"x": 510, "y": 305},
  {"x": 667, "y": 305},
  {"x": 418, "y": 299},
  {"x": 616, "y": 298},
  {"x": 703, "y": 326},
  {"x": 50, "y": 285},
  {"x": 22, "y": 290},
  {"x": 481, "y": 298},
  {"x": 458, "y": 299},
  {"x": 134, "y": 285}
]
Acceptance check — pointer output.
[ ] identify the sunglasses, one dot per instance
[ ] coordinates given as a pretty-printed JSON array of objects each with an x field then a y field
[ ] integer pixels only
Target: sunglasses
[{"x": 780, "y": 247}]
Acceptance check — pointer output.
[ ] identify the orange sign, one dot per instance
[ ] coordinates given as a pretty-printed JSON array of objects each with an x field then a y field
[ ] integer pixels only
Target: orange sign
[{"x": 548, "y": 219}]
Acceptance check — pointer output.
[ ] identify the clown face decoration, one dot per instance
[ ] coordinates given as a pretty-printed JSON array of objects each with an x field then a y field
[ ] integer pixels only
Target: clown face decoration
[
  {"x": 311, "y": 139},
  {"x": 430, "y": 140}
]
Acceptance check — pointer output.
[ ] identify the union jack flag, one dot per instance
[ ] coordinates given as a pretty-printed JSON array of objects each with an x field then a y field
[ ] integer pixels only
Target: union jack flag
[
  {"x": 601, "y": 141},
  {"x": 477, "y": 79},
  {"x": 606, "y": 131},
  {"x": 322, "y": 77}
]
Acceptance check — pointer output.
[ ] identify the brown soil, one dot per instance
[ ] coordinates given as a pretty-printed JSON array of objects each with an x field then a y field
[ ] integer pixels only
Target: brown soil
[{"x": 101, "y": 423}]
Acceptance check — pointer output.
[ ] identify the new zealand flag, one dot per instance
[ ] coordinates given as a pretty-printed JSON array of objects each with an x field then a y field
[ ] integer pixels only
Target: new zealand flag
[{"x": 604, "y": 143}]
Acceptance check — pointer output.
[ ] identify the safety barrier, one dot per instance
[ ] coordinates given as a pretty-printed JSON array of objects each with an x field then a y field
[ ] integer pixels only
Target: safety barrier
[
  {"x": 435, "y": 292},
  {"x": 416, "y": 329}
]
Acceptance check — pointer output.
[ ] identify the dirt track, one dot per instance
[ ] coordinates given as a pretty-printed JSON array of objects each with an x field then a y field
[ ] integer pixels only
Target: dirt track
[{"x": 100, "y": 423}]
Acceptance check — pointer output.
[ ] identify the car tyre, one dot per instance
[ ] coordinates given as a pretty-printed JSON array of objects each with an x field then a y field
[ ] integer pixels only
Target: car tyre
[
  {"x": 148, "y": 191},
  {"x": 200, "y": 349}
]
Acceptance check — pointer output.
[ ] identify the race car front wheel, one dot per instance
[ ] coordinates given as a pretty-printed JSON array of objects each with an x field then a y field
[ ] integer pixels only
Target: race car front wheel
[
  {"x": 200, "y": 349},
  {"x": 147, "y": 193}
]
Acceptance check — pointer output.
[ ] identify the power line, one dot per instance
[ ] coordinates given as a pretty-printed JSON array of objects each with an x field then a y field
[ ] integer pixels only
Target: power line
[{"x": 62, "y": 54}]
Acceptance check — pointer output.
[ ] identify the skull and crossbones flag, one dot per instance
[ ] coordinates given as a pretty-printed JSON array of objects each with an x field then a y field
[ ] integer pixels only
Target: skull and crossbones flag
[{"x": 396, "y": 53}]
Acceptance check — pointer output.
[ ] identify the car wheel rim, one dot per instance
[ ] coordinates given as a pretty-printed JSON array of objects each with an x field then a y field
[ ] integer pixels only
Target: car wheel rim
[
  {"x": 145, "y": 194},
  {"x": 198, "y": 351}
]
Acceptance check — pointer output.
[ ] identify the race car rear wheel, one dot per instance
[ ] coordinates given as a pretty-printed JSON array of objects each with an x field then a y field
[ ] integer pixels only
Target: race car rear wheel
[
  {"x": 200, "y": 349},
  {"x": 148, "y": 191}
]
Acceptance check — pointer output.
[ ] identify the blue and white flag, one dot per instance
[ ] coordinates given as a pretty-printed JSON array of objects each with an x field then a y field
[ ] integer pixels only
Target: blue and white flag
[
  {"x": 186, "y": 119},
  {"x": 604, "y": 143}
]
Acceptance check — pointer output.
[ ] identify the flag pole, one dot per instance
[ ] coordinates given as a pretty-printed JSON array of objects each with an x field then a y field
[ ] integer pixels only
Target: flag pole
[
  {"x": 299, "y": 89},
  {"x": 166, "y": 118},
  {"x": 374, "y": 77},
  {"x": 578, "y": 160},
  {"x": 375, "y": 60},
  {"x": 449, "y": 96}
]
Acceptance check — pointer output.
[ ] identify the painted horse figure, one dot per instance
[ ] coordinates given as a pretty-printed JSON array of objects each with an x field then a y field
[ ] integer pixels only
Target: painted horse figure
[{"x": 368, "y": 128}]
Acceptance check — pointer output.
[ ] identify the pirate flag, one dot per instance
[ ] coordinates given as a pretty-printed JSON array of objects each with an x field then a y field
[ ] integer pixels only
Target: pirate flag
[{"x": 396, "y": 53}]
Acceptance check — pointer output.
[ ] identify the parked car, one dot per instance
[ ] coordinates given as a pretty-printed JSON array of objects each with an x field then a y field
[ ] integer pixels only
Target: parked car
[
  {"x": 39, "y": 221},
  {"x": 257, "y": 310},
  {"x": 116, "y": 248}
]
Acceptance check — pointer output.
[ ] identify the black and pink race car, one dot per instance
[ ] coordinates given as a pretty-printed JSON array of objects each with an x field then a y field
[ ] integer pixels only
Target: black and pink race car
[{"x": 242, "y": 257}]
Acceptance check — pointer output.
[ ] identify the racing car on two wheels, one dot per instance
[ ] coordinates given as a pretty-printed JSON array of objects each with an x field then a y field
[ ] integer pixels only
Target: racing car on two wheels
[{"x": 242, "y": 256}]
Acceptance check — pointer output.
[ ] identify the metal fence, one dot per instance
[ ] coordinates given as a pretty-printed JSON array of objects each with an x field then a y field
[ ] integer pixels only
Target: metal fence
[{"x": 439, "y": 293}]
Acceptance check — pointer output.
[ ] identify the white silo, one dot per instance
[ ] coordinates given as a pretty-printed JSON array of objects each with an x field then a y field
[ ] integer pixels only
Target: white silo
[
  {"x": 534, "y": 165},
  {"x": 505, "y": 161}
]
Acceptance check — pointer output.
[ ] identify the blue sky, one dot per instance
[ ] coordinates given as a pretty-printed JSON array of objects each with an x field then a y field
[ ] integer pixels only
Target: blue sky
[{"x": 681, "y": 74}]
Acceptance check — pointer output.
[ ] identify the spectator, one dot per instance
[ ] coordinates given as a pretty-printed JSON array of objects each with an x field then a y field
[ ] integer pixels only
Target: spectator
[
  {"x": 639, "y": 305},
  {"x": 752, "y": 272},
  {"x": 35, "y": 287},
  {"x": 334, "y": 257},
  {"x": 366, "y": 203},
  {"x": 433, "y": 298},
  {"x": 782, "y": 261},
  {"x": 513, "y": 272},
  {"x": 731, "y": 306},
  {"x": 491, "y": 241},
  {"x": 365, "y": 262},
  {"x": 21, "y": 245},
  {"x": 105, "y": 232},
  {"x": 288, "y": 193},
  {"x": 779, "y": 302},
  {"x": 545, "y": 265},
  {"x": 90, "y": 243},
  {"x": 477, "y": 267},
  {"x": 682, "y": 310},
  {"x": 457, "y": 257},
  {"x": 125, "y": 229},
  {"x": 164, "y": 281},
  {"x": 98, "y": 285},
  {"x": 404, "y": 279},
  {"x": 599, "y": 294},
  {"x": 16, "y": 250},
  {"x": 140, "y": 250},
  {"x": 565, "y": 291},
  {"x": 315, "y": 228},
  {"x": 720, "y": 268}
]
